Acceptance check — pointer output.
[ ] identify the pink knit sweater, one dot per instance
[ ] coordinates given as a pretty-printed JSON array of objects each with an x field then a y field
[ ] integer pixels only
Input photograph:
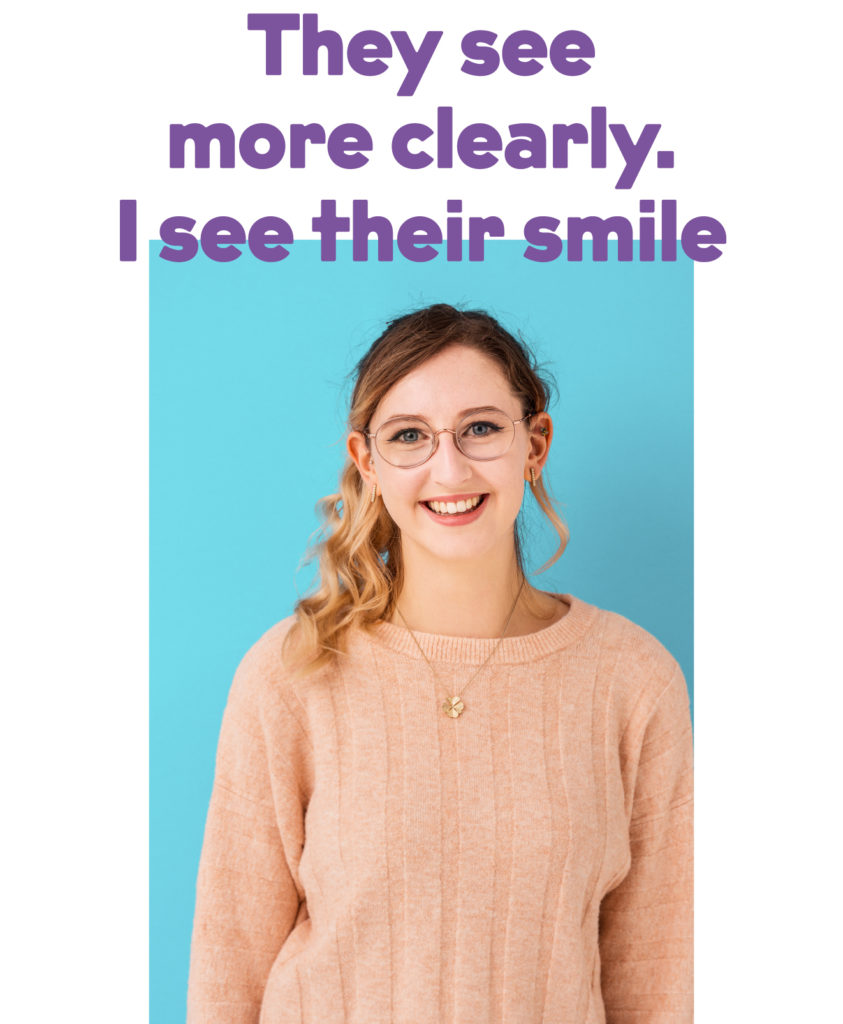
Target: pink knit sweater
[{"x": 368, "y": 860}]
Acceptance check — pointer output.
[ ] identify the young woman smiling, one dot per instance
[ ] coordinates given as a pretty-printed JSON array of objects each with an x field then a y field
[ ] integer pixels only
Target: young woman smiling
[{"x": 444, "y": 796}]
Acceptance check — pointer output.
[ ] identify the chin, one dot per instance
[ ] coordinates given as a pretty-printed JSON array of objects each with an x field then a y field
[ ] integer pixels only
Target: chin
[{"x": 463, "y": 548}]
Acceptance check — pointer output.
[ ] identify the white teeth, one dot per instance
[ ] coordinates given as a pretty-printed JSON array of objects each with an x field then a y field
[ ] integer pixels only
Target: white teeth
[{"x": 445, "y": 508}]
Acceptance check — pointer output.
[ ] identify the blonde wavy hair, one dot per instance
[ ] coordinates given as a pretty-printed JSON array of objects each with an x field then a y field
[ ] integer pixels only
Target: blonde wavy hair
[{"x": 360, "y": 567}]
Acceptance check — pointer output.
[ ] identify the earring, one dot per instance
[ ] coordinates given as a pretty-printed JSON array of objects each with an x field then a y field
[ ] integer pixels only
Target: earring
[
  {"x": 374, "y": 493},
  {"x": 532, "y": 477}
]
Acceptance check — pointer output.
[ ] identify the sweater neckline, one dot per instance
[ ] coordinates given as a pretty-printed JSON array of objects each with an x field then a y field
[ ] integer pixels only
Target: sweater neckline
[{"x": 474, "y": 650}]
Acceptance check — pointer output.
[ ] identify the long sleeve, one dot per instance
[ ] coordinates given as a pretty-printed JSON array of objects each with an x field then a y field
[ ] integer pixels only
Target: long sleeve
[
  {"x": 247, "y": 898},
  {"x": 646, "y": 922}
]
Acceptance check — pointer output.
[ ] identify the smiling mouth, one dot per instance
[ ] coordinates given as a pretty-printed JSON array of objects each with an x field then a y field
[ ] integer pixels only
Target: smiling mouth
[{"x": 454, "y": 508}]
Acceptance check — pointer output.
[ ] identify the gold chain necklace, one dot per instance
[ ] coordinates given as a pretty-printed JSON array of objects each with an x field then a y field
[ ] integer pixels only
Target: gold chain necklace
[{"x": 454, "y": 706}]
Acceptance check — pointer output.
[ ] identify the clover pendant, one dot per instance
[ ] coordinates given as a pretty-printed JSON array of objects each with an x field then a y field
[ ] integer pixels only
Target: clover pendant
[{"x": 453, "y": 707}]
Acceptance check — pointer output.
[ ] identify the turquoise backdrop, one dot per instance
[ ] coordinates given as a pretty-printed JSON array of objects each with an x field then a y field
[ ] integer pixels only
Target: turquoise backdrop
[{"x": 248, "y": 386}]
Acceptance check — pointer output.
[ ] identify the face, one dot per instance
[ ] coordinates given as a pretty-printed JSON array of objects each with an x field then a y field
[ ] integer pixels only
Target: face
[{"x": 441, "y": 391}]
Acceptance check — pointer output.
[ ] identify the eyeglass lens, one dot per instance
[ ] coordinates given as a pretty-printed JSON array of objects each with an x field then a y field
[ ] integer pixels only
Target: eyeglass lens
[{"x": 409, "y": 441}]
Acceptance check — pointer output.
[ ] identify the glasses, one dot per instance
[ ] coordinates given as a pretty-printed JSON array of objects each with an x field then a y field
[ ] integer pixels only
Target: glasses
[{"x": 408, "y": 441}]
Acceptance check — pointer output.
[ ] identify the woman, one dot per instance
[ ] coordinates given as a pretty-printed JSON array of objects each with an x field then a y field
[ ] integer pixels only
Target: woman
[{"x": 442, "y": 795}]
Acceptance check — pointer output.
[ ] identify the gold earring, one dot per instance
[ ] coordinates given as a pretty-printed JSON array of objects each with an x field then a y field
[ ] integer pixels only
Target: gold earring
[
  {"x": 532, "y": 477},
  {"x": 374, "y": 493}
]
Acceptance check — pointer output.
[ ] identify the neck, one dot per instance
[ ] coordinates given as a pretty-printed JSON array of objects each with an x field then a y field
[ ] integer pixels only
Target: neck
[{"x": 459, "y": 599}]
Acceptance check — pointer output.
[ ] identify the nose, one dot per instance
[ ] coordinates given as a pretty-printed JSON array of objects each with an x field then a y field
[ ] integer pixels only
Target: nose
[{"x": 448, "y": 464}]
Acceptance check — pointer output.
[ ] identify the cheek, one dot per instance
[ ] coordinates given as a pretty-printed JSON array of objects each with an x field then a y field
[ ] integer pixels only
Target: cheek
[
  {"x": 399, "y": 494},
  {"x": 510, "y": 489},
  {"x": 513, "y": 496},
  {"x": 510, "y": 479}
]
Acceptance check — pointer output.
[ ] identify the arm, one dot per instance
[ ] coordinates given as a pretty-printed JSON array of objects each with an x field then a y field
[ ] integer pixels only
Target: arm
[
  {"x": 247, "y": 899},
  {"x": 646, "y": 922}
]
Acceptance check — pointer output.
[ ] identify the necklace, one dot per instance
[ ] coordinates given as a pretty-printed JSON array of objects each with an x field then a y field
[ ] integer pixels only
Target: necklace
[{"x": 454, "y": 706}]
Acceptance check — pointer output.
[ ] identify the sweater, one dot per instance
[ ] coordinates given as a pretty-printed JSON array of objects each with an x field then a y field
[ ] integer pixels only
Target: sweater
[{"x": 369, "y": 860}]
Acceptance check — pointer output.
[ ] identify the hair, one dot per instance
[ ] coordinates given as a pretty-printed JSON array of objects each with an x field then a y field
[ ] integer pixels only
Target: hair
[{"x": 360, "y": 566}]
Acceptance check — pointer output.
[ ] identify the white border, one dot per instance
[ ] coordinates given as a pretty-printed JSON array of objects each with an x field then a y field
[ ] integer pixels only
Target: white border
[{"x": 746, "y": 92}]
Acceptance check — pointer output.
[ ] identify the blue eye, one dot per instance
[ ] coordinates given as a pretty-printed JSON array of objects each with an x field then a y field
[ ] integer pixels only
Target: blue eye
[
  {"x": 408, "y": 436},
  {"x": 482, "y": 428}
]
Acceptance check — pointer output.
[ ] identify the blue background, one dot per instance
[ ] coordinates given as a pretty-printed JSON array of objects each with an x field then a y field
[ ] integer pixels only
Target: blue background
[{"x": 248, "y": 390}]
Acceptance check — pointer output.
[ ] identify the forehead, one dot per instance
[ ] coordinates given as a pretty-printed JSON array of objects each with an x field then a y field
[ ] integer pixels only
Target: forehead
[{"x": 455, "y": 379}]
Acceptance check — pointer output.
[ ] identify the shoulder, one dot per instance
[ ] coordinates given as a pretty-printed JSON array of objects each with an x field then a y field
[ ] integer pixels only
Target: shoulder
[
  {"x": 269, "y": 678},
  {"x": 265, "y": 658},
  {"x": 638, "y": 650},
  {"x": 263, "y": 679},
  {"x": 263, "y": 728},
  {"x": 637, "y": 670}
]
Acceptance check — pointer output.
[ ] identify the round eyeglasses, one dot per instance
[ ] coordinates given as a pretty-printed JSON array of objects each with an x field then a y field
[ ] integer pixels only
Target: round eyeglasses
[{"x": 408, "y": 441}]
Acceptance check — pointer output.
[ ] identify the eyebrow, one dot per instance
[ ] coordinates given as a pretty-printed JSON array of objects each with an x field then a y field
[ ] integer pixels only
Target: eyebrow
[{"x": 459, "y": 416}]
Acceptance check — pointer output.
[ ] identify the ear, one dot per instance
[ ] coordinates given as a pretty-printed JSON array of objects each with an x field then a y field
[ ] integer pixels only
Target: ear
[
  {"x": 541, "y": 434},
  {"x": 361, "y": 456}
]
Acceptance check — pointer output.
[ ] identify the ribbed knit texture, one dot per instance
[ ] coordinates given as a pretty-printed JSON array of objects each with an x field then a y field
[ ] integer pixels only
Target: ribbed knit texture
[{"x": 368, "y": 860}]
